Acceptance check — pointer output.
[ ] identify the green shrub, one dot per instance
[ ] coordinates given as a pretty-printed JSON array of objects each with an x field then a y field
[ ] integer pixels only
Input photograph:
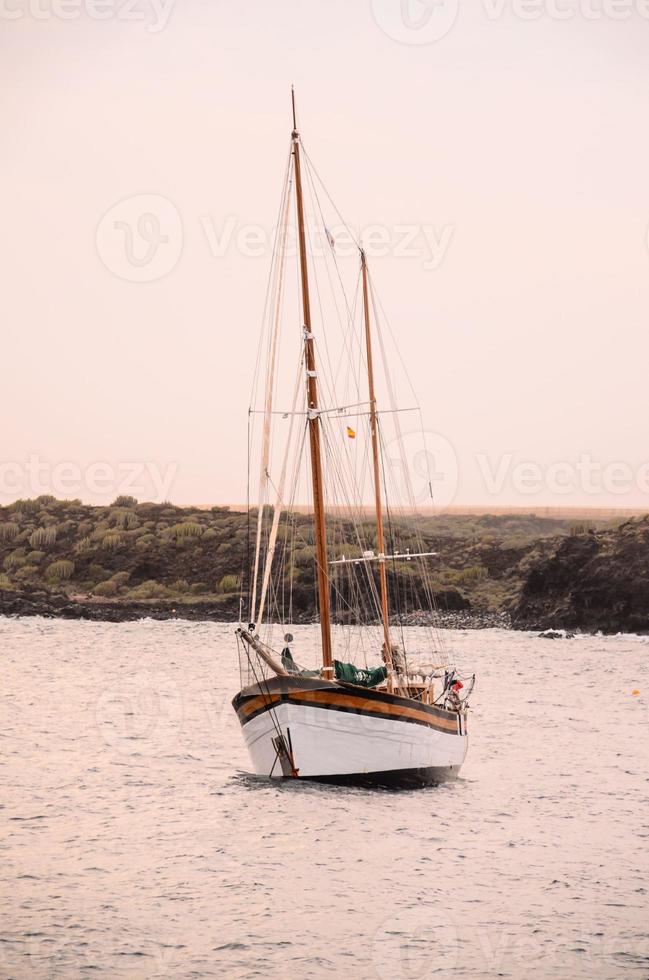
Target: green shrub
[
  {"x": 24, "y": 506},
  {"x": 209, "y": 534},
  {"x": 107, "y": 589},
  {"x": 124, "y": 519},
  {"x": 45, "y": 500},
  {"x": 150, "y": 590},
  {"x": 188, "y": 529},
  {"x": 96, "y": 573},
  {"x": 200, "y": 588},
  {"x": 305, "y": 556},
  {"x": 228, "y": 584},
  {"x": 5, "y": 581},
  {"x": 145, "y": 541},
  {"x": 43, "y": 536},
  {"x": 120, "y": 578},
  {"x": 14, "y": 559},
  {"x": 60, "y": 571},
  {"x": 35, "y": 557},
  {"x": 124, "y": 501},
  {"x": 85, "y": 544},
  {"x": 181, "y": 586},
  {"x": 111, "y": 540},
  {"x": 100, "y": 531},
  {"x": 8, "y": 531},
  {"x": 468, "y": 576}
]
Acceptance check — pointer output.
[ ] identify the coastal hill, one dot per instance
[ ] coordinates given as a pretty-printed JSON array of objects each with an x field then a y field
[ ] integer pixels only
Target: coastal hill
[
  {"x": 592, "y": 581},
  {"x": 129, "y": 559}
]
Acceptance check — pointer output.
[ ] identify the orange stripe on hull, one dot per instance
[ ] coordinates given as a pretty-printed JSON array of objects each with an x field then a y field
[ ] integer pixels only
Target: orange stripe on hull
[{"x": 348, "y": 702}]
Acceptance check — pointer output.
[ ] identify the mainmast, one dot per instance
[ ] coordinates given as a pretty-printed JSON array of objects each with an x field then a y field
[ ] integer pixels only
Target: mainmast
[
  {"x": 313, "y": 423},
  {"x": 374, "y": 431}
]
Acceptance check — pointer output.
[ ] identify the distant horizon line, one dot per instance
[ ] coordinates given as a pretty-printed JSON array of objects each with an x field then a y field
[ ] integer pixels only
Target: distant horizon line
[{"x": 479, "y": 510}]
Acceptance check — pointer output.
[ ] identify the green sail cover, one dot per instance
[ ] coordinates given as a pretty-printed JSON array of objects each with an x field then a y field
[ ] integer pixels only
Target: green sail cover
[
  {"x": 344, "y": 672},
  {"x": 363, "y": 678}
]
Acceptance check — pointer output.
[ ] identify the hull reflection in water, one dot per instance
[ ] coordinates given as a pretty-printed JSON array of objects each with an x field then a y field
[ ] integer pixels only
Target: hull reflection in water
[{"x": 308, "y": 728}]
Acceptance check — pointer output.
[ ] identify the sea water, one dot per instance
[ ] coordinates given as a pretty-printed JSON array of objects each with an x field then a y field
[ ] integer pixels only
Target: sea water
[{"x": 134, "y": 843}]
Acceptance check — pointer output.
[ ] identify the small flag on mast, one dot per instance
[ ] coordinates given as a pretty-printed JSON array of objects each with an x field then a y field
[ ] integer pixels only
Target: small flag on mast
[{"x": 350, "y": 433}]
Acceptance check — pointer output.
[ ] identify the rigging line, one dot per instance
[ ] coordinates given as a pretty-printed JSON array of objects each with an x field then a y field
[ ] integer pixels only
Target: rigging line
[
  {"x": 393, "y": 549},
  {"x": 325, "y": 363},
  {"x": 267, "y": 695},
  {"x": 305, "y": 541},
  {"x": 433, "y": 629},
  {"x": 270, "y": 390},
  {"x": 391, "y": 393},
  {"x": 376, "y": 301},
  {"x": 331, "y": 201},
  {"x": 279, "y": 491},
  {"x": 248, "y": 529},
  {"x": 337, "y": 472},
  {"x": 349, "y": 309},
  {"x": 286, "y": 183},
  {"x": 406, "y": 472}
]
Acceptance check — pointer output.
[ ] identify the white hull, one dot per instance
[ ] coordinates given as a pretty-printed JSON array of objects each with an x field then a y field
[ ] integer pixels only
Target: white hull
[{"x": 326, "y": 743}]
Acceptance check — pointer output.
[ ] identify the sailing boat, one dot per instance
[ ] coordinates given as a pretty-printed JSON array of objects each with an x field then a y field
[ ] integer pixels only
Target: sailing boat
[{"x": 393, "y": 719}]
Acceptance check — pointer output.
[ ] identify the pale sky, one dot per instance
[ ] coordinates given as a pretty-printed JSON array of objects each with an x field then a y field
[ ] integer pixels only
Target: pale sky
[{"x": 510, "y": 139}]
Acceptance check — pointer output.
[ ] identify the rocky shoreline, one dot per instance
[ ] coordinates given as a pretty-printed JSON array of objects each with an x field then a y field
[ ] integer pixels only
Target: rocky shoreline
[{"x": 223, "y": 609}]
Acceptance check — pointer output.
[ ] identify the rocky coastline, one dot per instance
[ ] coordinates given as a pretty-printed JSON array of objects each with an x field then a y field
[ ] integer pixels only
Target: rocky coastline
[
  {"x": 131, "y": 560},
  {"x": 218, "y": 610}
]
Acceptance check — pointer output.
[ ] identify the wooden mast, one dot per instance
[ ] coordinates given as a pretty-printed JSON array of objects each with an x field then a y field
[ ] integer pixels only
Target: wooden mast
[
  {"x": 374, "y": 430},
  {"x": 313, "y": 423}
]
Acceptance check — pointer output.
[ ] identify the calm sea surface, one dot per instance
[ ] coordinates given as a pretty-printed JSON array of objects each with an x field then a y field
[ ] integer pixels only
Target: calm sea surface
[{"x": 133, "y": 844}]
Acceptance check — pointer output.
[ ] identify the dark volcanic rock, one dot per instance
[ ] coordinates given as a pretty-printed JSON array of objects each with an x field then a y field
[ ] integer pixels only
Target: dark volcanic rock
[
  {"x": 595, "y": 581},
  {"x": 224, "y": 608}
]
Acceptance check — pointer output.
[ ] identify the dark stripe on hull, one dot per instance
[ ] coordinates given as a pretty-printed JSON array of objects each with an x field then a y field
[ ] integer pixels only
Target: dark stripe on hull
[
  {"x": 394, "y": 779},
  {"x": 327, "y": 696}
]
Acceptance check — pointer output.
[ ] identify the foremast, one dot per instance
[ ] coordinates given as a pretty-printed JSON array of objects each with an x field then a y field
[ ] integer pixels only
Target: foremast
[
  {"x": 376, "y": 459},
  {"x": 314, "y": 424}
]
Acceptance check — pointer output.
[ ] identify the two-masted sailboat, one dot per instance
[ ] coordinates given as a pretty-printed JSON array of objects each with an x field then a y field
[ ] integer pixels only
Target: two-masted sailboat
[{"x": 374, "y": 709}]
